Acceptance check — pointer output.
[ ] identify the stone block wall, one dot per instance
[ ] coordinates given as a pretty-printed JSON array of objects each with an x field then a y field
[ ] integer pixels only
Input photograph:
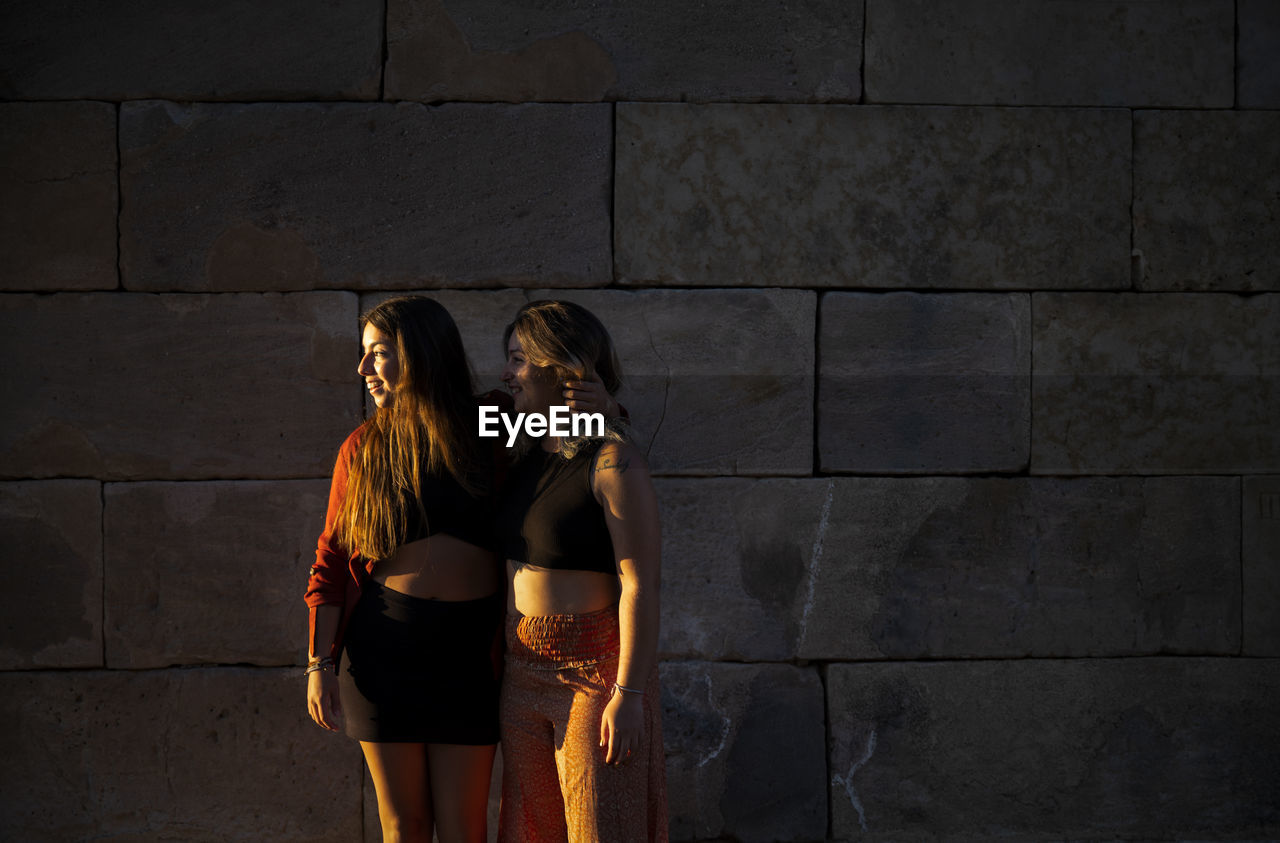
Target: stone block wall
[{"x": 952, "y": 331}]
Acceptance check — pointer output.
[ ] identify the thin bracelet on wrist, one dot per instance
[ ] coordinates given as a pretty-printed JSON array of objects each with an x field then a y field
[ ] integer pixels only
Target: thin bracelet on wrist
[
  {"x": 325, "y": 663},
  {"x": 624, "y": 689}
]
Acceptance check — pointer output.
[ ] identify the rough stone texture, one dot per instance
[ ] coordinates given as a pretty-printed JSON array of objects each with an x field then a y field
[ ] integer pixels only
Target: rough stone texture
[
  {"x": 827, "y": 196},
  {"x": 1051, "y": 52},
  {"x": 1258, "y": 54},
  {"x": 1261, "y": 501},
  {"x": 745, "y": 754},
  {"x": 1145, "y": 384},
  {"x": 736, "y": 362},
  {"x": 53, "y": 571},
  {"x": 1052, "y": 750},
  {"x": 665, "y": 50},
  {"x": 914, "y": 383},
  {"x": 209, "y": 572},
  {"x": 1206, "y": 206},
  {"x": 192, "y": 755},
  {"x": 232, "y": 50},
  {"x": 289, "y": 197},
  {"x": 58, "y": 218},
  {"x": 744, "y": 547},
  {"x": 135, "y": 386},
  {"x": 951, "y": 568}
]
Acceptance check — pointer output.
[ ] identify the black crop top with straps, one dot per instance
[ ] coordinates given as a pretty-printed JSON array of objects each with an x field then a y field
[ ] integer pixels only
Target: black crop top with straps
[{"x": 549, "y": 516}]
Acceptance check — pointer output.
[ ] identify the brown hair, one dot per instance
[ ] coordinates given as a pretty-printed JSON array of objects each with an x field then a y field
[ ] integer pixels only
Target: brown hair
[
  {"x": 423, "y": 431},
  {"x": 569, "y": 342}
]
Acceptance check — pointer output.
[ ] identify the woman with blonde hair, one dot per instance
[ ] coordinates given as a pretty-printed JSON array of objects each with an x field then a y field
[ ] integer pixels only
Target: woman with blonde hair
[{"x": 578, "y": 518}]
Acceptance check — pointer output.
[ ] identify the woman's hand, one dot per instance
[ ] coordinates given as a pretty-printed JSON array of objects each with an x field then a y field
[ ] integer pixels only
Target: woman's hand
[
  {"x": 590, "y": 397},
  {"x": 322, "y": 699},
  {"x": 622, "y": 726}
]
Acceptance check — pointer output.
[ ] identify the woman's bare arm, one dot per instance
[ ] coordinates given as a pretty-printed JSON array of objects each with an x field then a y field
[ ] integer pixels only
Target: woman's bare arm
[{"x": 625, "y": 491}]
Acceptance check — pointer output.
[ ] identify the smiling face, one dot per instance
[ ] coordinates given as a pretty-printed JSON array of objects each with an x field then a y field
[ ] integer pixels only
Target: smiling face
[
  {"x": 379, "y": 365},
  {"x": 534, "y": 389}
]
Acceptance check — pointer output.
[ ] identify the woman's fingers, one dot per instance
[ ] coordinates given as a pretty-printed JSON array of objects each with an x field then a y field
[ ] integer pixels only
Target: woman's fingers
[
  {"x": 581, "y": 395},
  {"x": 622, "y": 748},
  {"x": 322, "y": 700}
]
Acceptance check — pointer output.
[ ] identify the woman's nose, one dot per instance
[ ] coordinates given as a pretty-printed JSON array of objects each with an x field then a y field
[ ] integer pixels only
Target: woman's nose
[{"x": 366, "y": 366}]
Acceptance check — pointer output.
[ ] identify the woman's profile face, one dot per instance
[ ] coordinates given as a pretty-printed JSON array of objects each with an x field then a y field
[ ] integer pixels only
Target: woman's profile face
[
  {"x": 379, "y": 366},
  {"x": 533, "y": 388}
]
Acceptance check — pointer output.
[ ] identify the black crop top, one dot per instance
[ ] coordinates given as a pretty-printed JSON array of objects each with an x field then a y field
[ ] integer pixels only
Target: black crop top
[
  {"x": 450, "y": 509},
  {"x": 549, "y": 516}
]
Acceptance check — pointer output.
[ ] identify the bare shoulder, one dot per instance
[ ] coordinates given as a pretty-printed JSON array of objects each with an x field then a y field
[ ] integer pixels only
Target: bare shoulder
[{"x": 615, "y": 459}]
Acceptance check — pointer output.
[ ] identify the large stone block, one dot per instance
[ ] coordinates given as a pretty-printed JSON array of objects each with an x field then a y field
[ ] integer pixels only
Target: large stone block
[
  {"x": 949, "y": 568},
  {"x": 290, "y": 197},
  {"x": 665, "y": 50},
  {"x": 53, "y": 572},
  {"x": 745, "y": 753},
  {"x": 128, "y": 386},
  {"x": 58, "y": 218},
  {"x": 1206, "y": 199},
  {"x": 715, "y": 381},
  {"x": 1261, "y": 500},
  {"x": 944, "y": 568},
  {"x": 209, "y": 572},
  {"x": 1051, "y": 52},
  {"x": 1052, "y": 750},
  {"x": 190, "y": 50},
  {"x": 823, "y": 196},
  {"x": 1258, "y": 54},
  {"x": 1142, "y": 384},
  {"x": 201, "y": 755},
  {"x": 913, "y": 383}
]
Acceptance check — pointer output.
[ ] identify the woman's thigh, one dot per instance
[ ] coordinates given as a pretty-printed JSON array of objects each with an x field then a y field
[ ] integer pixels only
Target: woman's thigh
[
  {"x": 459, "y": 781},
  {"x": 401, "y": 778}
]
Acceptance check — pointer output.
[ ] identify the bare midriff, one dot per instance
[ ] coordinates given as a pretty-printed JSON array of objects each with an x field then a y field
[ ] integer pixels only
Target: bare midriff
[
  {"x": 543, "y": 591},
  {"x": 440, "y": 567}
]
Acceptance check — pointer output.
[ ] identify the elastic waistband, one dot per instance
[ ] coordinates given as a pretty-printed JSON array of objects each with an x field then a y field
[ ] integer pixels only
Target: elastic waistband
[
  {"x": 557, "y": 642},
  {"x": 374, "y": 590}
]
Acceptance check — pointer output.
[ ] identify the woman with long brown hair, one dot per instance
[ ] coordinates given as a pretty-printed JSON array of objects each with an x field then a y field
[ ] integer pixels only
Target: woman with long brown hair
[
  {"x": 582, "y": 742},
  {"x": 405, "y": 594}
]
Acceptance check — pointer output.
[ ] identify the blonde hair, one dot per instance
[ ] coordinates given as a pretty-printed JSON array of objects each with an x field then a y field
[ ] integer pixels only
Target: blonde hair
[
  {"x": 570, "y": 343},
  {"x": 423, "y": 431}
]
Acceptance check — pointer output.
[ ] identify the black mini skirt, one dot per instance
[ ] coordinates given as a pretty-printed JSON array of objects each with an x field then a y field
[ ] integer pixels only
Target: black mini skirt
[{"x": 420, "y": 671}]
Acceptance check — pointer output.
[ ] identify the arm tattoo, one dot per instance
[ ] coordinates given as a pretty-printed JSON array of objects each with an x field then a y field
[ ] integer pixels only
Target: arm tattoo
[{"x": 620, "y": 466}]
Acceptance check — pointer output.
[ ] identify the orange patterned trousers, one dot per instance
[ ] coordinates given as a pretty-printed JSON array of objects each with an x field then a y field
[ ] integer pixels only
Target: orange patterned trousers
[{"x": 556, "y": 787}]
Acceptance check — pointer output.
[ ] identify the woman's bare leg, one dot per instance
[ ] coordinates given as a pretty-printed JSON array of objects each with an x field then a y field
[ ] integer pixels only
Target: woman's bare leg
[
  {"x": 400, "y": 776},
  {"x": 460, "y": 778}
]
